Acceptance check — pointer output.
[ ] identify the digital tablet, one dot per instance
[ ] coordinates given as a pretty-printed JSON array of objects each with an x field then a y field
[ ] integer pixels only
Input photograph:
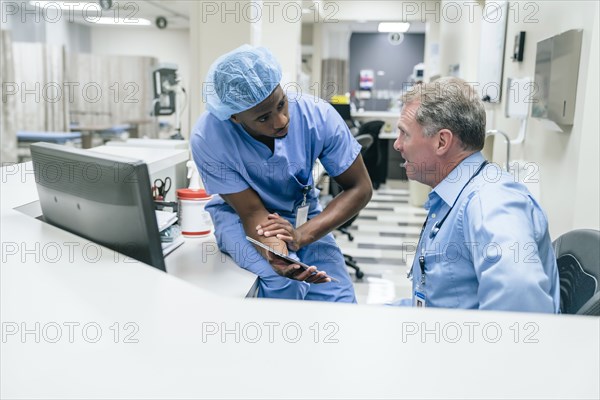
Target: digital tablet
[{"x": 303, "y": 266}]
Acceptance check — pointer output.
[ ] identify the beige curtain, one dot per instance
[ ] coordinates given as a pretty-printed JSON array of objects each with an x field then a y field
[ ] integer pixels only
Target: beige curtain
[
  {"x": 335, "y": 77},
  {"x": 8, "y": 135},
  {"x": 111, "y": 89},
  {"x": 50, "y": 90},
  {"x": 40, "y": 76}
]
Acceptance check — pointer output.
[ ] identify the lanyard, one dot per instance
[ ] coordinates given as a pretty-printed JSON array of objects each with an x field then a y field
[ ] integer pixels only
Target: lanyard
[
  {"x": 302, "y": 210},
  {"x": 421, "y": 258},
  {"x": 438, "y": 225},
  {"x": 305, "y": 191}
]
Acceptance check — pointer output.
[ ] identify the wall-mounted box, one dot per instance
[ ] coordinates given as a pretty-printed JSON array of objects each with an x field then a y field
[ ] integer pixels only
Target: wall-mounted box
[
  {"x": 519, "y": 47},
  {"x": 556, "y": 74}
]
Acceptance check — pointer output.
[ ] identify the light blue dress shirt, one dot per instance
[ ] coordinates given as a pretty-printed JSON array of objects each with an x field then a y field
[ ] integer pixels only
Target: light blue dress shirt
[
  {"x": 493, "y": 251},
  {"x": 230, "y": 161}
]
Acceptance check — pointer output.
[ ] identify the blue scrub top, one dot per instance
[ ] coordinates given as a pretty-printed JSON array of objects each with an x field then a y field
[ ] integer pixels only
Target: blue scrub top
[{"x": 230, "y": 160}]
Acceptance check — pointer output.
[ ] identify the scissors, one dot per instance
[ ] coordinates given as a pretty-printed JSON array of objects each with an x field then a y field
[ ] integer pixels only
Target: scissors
[{"x": 160, "y": 188}]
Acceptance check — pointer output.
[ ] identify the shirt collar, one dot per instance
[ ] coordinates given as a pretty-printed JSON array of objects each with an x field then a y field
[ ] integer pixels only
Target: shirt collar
[{"x": 449, "y": 188}]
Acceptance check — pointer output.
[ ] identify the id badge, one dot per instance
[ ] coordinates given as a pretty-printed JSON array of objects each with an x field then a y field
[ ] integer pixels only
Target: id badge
[
  {"x": 420, "y": 297},
  {"x": 420, "y": 300},
  {"x": 301, "y": 215}
]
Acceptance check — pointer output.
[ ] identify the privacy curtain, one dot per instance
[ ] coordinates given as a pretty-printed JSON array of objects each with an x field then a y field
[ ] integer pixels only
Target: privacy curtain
[
  {"x": 39, "y": 75},
  {"x": 8, "y": 138},
  {"x": 335, "y": 77},
  {"x": 111, "y": 89}
]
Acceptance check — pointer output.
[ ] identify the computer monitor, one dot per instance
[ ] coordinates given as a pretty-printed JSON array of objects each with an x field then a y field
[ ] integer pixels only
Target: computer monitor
[
  {"x": 104, "y": 198},
  {"x": 343, "y": 110},
  {"x": 165, "y": 80}
]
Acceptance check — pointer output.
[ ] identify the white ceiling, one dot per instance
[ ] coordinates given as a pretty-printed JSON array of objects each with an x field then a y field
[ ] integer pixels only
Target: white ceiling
[
  {"x": 177, "y": 14},
  {"x": 175, "y": 11},
  {"x": 371, "y": 26}
]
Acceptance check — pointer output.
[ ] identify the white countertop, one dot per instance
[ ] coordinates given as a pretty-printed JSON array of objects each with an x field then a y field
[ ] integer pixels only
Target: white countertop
[
  {"x": 157, "y": 159},
  {"x": 129, "y": 330},
  {"x": 198, "y": 261}
]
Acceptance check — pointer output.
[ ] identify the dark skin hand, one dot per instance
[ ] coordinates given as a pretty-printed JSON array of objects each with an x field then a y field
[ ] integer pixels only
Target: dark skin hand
[
  {"x": 294, "y": 271},
  {"x": 278, "y": 233},
  {"x": 249, "y": 207},
  {"x": 357, "y": 192}
]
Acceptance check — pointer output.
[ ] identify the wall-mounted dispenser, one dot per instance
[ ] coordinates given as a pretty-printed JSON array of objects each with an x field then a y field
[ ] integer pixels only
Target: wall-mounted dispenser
[
  {"x": 519, "y": 47},
  {"x": 556, "y": 73}
]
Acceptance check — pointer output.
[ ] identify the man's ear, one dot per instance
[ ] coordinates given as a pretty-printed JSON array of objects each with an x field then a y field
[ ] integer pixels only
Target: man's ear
[
  {"x": 445, "y": 140},
  {"x": 234, "y": 118}
]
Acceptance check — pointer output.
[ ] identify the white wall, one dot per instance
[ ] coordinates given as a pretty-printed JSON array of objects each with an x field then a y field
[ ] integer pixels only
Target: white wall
[
  {"x": 210, "y": 38},
  {"x": 337, "y": 43},
  {"x": 288, "y": 51},
  {"x": 459, "y": 35},
  {"x": 375, "y": 10},
  {"x": 588, "y": 191},
  {"x": 567, "y": 162},
  {"x": 212, "y": 35},
  {"x": 167, "y": 45},
  {"x": 432, "y": 50},
  {"x": 58, "y": 33}
]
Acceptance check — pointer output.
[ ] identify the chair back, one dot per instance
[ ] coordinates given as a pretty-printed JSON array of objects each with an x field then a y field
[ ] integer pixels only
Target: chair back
[
  {"x": 373, "y": 157},
  {"x": 365, "y": 142},
  {"x": 346, "y": 114},
  {"x": 578, "y": 259}
]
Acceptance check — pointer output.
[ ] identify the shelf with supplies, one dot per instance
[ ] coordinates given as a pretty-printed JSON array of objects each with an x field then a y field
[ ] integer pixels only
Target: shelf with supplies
[{"x": 170, "y": 233}]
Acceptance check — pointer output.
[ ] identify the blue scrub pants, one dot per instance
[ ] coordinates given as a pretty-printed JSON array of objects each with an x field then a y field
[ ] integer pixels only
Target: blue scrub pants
[{"x": 324, "y": 254}]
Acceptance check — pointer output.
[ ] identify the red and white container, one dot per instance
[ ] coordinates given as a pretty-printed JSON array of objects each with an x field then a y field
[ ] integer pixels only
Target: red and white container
[{"x": 193, "y": 219}]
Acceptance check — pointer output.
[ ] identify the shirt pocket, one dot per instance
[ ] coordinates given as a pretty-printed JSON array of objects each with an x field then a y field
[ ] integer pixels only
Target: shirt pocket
[
  {"x": 440, "y": 282},
  {"x": 295, "y": 188}
]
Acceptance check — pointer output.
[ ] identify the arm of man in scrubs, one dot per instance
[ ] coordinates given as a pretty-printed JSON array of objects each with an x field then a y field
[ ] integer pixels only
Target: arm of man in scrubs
[
  {"x": 357, "y": 191},
  {"x": 248, "y": 205}
]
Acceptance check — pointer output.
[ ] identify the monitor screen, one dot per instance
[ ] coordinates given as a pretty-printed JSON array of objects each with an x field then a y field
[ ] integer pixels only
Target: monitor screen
[
  {"x": 343, "y": 110},
  {"x": 164, "y": 96},
  {"x": 104, "y": 198}
]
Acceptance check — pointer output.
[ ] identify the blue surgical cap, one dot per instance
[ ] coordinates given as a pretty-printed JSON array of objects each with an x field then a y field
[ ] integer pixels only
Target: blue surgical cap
[{"x": 240, "y": 80}]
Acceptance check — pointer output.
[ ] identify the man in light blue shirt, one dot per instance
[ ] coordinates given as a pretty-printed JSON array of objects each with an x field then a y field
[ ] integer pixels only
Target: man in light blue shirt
[{"x": 485, "y": 242}]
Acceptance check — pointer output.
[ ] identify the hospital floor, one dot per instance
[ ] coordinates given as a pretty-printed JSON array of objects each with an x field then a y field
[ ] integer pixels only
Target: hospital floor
[{"x": 385, "y": 234}]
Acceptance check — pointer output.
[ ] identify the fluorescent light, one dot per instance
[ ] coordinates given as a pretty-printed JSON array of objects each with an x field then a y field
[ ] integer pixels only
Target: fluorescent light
[
  {"x": 68, "y": 5},
  {"x": 393, "y": 27},
  {"x": 119, "y": 21},
  {"x": 94, "y": 10}
]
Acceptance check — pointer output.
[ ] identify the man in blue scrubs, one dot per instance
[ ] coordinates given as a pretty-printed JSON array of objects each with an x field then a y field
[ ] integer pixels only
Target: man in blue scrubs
[
  {"x": 485, "y": 243},
  {"x": 255, "y": 149}
]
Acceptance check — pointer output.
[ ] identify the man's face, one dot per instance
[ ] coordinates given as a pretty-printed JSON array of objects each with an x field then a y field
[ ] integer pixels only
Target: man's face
[
  {"x": 270, "y": 118},
  {"x": 416, "y": 149}
]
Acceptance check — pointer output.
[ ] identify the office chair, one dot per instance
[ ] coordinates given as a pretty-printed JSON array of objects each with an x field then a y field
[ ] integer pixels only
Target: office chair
[
  {"x": 375, "y": 156},
  {"x": 365, "y": 141},
  {"x": 345, "y": 112},
  {"x": 578, "y": 259}
]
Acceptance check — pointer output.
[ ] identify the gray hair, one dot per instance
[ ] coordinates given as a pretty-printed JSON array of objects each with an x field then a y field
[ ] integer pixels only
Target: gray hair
[{"x": 450, "y": 103}]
